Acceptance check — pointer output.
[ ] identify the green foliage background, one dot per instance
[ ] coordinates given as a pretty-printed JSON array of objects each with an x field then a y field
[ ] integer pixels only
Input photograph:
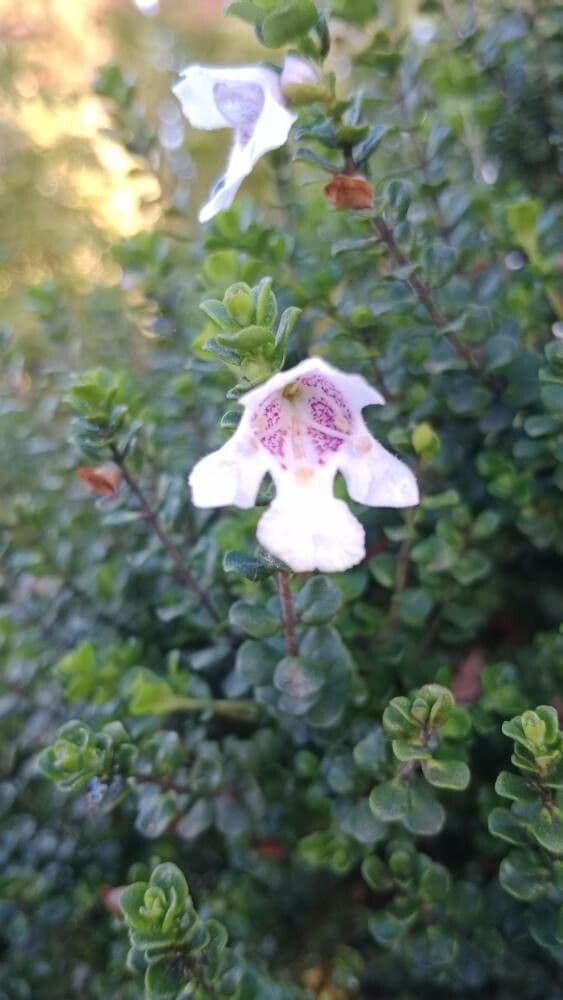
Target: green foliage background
[{"x": 350, "y": 820}]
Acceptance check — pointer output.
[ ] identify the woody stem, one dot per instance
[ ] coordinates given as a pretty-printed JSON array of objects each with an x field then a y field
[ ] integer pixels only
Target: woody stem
[
  {"x": 182, "y": 572},
  {"x": 422, "y": 290}
]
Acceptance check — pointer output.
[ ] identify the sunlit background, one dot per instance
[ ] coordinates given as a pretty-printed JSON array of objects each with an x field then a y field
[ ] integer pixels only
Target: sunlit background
[{"x": 66, "y": 187}]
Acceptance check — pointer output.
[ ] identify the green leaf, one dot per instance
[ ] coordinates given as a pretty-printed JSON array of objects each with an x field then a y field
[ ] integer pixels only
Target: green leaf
[
  {"x": 389, "y": 802},
  {"x": 354, "y": 244},
  {"x": 452, "y": 774},
  {"x": 297, "y": 678},
  {"x": 362, "y": 152},
  {"x": 376, "y": 874},
  {"x": 499, "y": 351},
  {"x": 370, "y": 754},
  {"x": 324, "y": 848},
  {"x": 304, "y": 153},
  {"x": 171, "y": 880},
  {"x": 266, "y": 303},
  {"x": 165, "y": 979},
  {"x": 513, "y": 786},
  {"x": 155, "y": 812},
  {"x": 397, "y": 195},
  {"x": 239, "y": 302},
  {"x": 255, "y": 663},
  {"x": 359, "y": 822},
  {"x": 426, "y": 442},
  {"x": 225, "y": 354},
  {"x": 286, "y": 324},
  {"x": 248, "y": 341},
  {"x": 405, "y": 751},
  {"x": 256, "y": 621},
  {"x": 245, "y": 565},
  {"x": 548, "y": 829},
  {"x": 388, "y": 929},
  {"x": 384, "y": 567},
  {"x": 456, "y": 725},
  {"x": 471, "y": 567},
  {"x": 439, "y": 261},
  {"x": 549, "y": 717},
  {"x": 503, "y": 824},
  {"x": 219, "y": 314},
  {"x": 288, "y": 22},
  {"x": 522, "y": 876},
  {"x": 318, "y": 601},
  {"x": 149, "y": 694},
  {"x": 435, "y": 883},
  {"x": 522, "y": 217},
  {"x": 425, "y": 816},
  {"x": 415, "y": 606}
]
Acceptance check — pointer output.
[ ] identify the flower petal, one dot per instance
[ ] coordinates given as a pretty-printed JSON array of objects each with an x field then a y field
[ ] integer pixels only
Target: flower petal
[
  {"x": 225, "y": 190},
  {"x": 230, "y": 475},
  {"x": 272, "y": 127},
  {"x": 297, "y": 70},
  {"x": 359, "y": 392},
  {"x": 373, "y": 475},
  {"x": 195, "y": 91},
  {"x": 247, "y": 99},
  {"x": 269, "y": 132},
  {"x": 323, "y": 535}
]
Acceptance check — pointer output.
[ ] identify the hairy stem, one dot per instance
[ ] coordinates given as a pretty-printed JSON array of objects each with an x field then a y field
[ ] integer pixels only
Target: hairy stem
[
  {"x": 182, "y": 572},
  {"x": 289, "y": 618}
]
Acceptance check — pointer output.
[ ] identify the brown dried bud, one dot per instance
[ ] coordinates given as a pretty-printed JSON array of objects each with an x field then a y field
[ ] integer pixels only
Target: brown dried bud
[
  {"x": 105, "y": 479},
  {"x": 315, "y": 977},
  {"x": 349, "y": 191},
  {"x": 271, "y": 850}
]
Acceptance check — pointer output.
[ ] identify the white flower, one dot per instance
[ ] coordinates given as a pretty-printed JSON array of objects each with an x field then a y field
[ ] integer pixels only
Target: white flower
[
  {"x": 303, "y": 426},
  {"x": 247, "y": 99}
]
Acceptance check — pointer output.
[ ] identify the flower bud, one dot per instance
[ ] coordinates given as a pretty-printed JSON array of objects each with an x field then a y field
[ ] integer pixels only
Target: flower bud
[
  {"x": 302, "y": 82},
  {"x": 349, "y": 191},
  {"x": 425, "y": 441}
]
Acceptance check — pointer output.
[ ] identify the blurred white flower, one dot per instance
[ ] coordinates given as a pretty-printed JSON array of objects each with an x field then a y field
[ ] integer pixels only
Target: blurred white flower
[
  {"x": 299, "y": 71},
  {"x": 303, "y": 426},
  {"x": 247, "y": 99}
]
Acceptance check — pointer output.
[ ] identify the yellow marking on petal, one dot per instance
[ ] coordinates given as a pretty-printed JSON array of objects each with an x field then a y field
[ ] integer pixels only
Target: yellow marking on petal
[
  {"x": 304, "y": 475},
  {"x": 291, "y": 391},
  {"x": 341, "y": 423},
  {"x": 362, "y": 445}
]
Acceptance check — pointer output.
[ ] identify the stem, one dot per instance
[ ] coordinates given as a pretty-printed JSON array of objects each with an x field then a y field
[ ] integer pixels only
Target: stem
[
  {"x": 422, "y": 290},
  {"x": 401, "y": 574},
  {"x": 182, "y": 572},
  {"x": 236, "y": 710},
  {"x": 289, "y": 618}
]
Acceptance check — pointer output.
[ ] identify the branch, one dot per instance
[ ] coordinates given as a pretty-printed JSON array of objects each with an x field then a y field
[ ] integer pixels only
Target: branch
[
  {"x": 182, "y": 572},
  {"x": 289, "y": 618},
  {"x": 233, "y": 709},
  {"x": 422, "y": 291},
  {"x": 401, "y": 575}
]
